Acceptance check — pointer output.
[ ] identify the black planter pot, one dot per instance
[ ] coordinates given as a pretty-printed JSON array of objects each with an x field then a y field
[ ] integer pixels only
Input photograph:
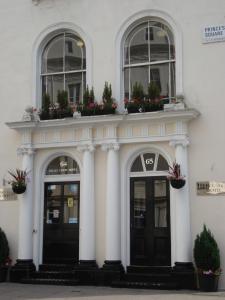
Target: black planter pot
[
  {"x": 19, "y": 189},
  {"x": 208, "y": 283},
  {"x": 177, "y": 183},
  {"x": 3, "y": 274},
  {"x": 133, "y": 109}
]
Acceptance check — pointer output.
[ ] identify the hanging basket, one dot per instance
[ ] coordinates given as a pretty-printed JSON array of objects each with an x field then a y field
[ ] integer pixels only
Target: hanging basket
[
  {"x": 177, "y": 183},
  {"x": 19, "y": 189}
]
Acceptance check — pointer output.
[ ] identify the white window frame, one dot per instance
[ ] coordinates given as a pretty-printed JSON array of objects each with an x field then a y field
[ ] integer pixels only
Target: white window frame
[
  {"x": 150, "y": 63},
  {"x": 81, "y": 71},
  {"x": 133, "y": 21},
  {"x": 39, "y": 45}
]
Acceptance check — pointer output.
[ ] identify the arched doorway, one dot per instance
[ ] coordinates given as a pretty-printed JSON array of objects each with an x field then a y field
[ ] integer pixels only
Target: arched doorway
[
  {"x": 61, "y": 211},
  {"x": 150, "y": 237}
]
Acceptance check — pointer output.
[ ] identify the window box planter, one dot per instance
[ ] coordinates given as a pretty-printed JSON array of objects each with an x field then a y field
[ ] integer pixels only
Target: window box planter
[{"x": 177, "y": 183}]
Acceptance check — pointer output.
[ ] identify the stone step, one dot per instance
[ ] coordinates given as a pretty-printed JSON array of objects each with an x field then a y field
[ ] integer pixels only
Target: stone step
[
  {"x": 148, "y": 277},
  {"x": 148, "y": 269},
  {"x": 57, "y": 267},
  {"x": 48, "y": 281},
  {"x": 145, "y": 285},
  {"x": 55, "y": 274}
]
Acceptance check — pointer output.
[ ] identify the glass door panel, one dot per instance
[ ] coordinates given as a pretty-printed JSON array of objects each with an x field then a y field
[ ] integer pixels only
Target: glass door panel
[{"x": 139, "y": 204}]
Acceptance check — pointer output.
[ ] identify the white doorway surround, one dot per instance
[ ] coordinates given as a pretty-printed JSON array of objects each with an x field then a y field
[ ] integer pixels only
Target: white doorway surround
[{"x": 142, "y": 131}]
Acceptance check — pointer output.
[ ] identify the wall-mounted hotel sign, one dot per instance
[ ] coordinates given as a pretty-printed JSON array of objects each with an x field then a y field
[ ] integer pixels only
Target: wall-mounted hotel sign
[
  {"x": 6, "y": 194},
  {"x": 213, "y": 33},
  {"x": 210, "y": 188}
]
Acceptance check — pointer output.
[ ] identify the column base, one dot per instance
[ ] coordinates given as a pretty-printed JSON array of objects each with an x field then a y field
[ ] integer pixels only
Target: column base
[
  {"x": 185, "y": 276},
  {"x": 86, "y": 271},
  {"x": 112, "y": 270},
  {"x": 24, "y": 268}
]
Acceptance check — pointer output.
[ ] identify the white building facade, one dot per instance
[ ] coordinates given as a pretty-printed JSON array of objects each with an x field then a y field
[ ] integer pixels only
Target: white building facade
[{"x": 98, "y": 195}]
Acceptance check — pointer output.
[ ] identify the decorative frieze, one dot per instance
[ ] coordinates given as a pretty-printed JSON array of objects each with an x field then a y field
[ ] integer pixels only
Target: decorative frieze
[{"x": 123, "y": 129}]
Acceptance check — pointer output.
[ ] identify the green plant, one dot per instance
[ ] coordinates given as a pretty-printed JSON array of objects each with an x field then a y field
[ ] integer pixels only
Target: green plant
[
  {"x": 86, "y": 96},
  {"x": 62, "y": 99},
  {"x": 153, "y": 91},
  {"x": 137, "y": 91},
  {"x": 19, "y": 178},
  {"x": 107, "y": 93},
  {"x": 175, "y": 172},
  {"x": 206, "y": 253},
  {"x": 4, "y": 248},
  {"x": 45, "y": 102}
]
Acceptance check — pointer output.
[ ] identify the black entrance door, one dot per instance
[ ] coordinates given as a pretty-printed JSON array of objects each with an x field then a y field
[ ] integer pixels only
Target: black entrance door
[
  {"x": 150, "y": 221},
  {"x": 61, "y": 222}
]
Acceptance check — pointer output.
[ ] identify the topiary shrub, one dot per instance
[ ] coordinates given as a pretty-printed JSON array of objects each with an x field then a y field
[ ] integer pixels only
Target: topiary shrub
[
  {"x": 206, "y": 252},
  {"x": 4, "y": 248}
]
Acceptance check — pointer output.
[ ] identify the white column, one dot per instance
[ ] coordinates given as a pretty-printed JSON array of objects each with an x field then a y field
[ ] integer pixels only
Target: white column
[
  {"x": 183, "y": 247},
  {"x": 113, "y": 228},
  {"x": 87, "y": 206},
  {"x": 25, "y": 251}
]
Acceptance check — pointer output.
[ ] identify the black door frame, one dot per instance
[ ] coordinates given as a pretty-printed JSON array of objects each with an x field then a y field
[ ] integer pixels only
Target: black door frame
[
  {"x": 62, "y": 183},
  {"x": 152, "y": 230}
]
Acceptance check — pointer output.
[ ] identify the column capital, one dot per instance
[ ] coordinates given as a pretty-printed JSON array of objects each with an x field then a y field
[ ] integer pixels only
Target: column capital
[
  {"x": 176, "y": 142},
  {"x": 109, "y": 146},
  {"x": 26, "y": 150},
  {"x": 86, "y": 147}
]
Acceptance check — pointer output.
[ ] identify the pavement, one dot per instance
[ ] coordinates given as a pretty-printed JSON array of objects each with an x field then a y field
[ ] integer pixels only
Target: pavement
[{"x": 13, "y": 291}]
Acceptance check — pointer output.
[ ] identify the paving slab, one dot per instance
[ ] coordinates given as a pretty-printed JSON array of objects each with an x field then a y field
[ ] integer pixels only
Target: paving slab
[{"x": 13, "y": 291}]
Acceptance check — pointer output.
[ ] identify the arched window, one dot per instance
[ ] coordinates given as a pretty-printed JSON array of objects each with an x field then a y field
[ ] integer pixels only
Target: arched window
[
  {"x": 64, "y": 67},
  {"x": 149, "y": 162},
  {"x": 149, "y": 55},
  {"x": 62, "y": 165}
]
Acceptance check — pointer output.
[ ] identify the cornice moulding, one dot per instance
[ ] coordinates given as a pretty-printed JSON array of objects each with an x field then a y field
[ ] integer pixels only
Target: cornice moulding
[{"x": 107, "y": 120}]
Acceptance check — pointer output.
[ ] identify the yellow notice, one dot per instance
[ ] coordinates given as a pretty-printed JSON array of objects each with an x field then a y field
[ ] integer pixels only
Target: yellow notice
[{"x": 70, "y": 202}]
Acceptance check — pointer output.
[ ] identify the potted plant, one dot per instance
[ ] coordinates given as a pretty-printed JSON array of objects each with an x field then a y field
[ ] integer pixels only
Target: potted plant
[
  {"x": 64, "y": 110},
  {"x": 108, "y": 105},
  {"x": 4, "y": 256},
  {"x": 19, "y": 181},
  {"x": 207, "y": 261},
  {"x": 177, "y": 181},
  {"x": 44, "y": 113},
  {"x": 134, "y": 105}
]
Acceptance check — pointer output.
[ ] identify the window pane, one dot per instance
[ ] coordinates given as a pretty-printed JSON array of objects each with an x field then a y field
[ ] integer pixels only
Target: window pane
[
  {"x": 71, "y": 208},
  {"x": 139, "y": 74},
  {"x": 74, "y": 86},
  {"x": 74, "y": 53},
  {"x": 137, "y": 42},
  {"x": 137, "y": 165},
  {"x": 139, "y": 204},
  {"x": 159, "y": 46},
  {"x": 160, "y": 75},
  {"x": 162, "y": 164},
  {"x": 52, "y": 84},
  {"x": 63, "y": 165},
  {"x": 149, "y": 159},
  {"x": 160, "y": 203},
  {"x": 126, "y": 83},
  {"x": 53, "y": 56}
]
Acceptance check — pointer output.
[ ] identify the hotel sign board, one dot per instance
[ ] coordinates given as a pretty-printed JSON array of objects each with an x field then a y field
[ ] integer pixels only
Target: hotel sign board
[
  {"x": 213, "y": 33},
  {"x": 210, "y": 188},
  {"x": 6, "y": 194}
]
